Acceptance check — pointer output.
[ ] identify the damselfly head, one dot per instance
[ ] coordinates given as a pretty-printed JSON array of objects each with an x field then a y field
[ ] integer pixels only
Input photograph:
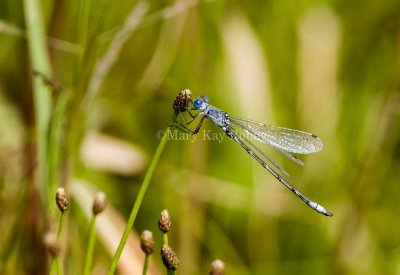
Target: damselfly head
[{"x": 200, "y": 102}]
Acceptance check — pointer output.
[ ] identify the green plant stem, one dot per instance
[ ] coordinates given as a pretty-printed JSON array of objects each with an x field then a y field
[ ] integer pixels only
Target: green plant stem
[
  {"x": 90, "y": 246},
  {"x": 55, "y": 138},
  {"x": 59, "y": 266},
  {"x": 83, "y": 21},
  {"x": 55, "y": 262},
  {"x": 52, "y": 266},
  {"x": 165, "y": 238},
  {"x": 139, "y": 198},
  {"x": 55, "y": 265},
  {"x": 60, "y": 226},
  {"x": 40, "y": 61},
  {"x": 146, "y": 264}
]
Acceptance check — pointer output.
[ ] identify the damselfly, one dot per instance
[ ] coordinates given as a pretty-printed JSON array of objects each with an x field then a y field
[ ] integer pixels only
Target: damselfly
[{"x": 286, "y": 141}]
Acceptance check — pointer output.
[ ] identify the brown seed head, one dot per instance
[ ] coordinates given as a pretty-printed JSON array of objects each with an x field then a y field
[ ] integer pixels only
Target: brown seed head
[
  {"x": 51, "y": 243},
  {"x": 169, "y": 258},
  {"x": 147, "y": 242},
  {"x": 217, "y": 268},
  {"x": 100, "y": 203},
  {"x": 62, "y": 199},
  {"x": 164, "y": 223},
  {"x": 182, "y": 100}
]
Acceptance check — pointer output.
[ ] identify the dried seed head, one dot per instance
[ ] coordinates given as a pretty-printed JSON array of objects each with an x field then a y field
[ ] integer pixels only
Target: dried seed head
[
  {"x": 147, "y": 242},
  {"x": 217, "y": 268},
  {"x": 62, "y": 199},
  {"x": 182, "y": 100},
  {"x": 51, "y": 243},
  {"x": 100, "y": 203},
  {"x": 169, "y": 258},
  {"x": 164, "y": 223}
]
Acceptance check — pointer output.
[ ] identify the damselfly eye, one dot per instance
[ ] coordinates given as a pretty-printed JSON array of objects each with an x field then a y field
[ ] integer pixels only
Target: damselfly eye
[{"x": 197, "y": 103}]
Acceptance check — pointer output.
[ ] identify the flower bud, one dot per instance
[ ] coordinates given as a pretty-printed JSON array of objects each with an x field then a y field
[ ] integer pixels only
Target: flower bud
[
  {"x": 51, "y": 243},
  {"x": 169, "y": 258},
  {"x": 62, "y": 199},
  {"x": 147, "y": 242},
  {"x": 164, "y": 223},
  {"x": 217, "y": 268},
  {"x": 181, "y": 102},
  {"x": 100, "y": 203}
]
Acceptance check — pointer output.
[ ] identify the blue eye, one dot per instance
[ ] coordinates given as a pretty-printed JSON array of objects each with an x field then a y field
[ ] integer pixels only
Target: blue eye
[{"x": 197, "y": 104}]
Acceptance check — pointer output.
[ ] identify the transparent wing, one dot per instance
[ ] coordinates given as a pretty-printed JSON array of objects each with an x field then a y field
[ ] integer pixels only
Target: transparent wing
[
  {"x": 282, "y": 139},
  {"x": 291, "y": 157},
  {"x": 232, "y": 133},
  {"x": 251, "y": 146}
]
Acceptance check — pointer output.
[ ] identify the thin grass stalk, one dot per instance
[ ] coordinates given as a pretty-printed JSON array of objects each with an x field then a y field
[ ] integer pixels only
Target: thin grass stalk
[
  {"x": 165, "y": 238},
  {"x": 139, "y": 198},
  {"x": 60, "y": 226},
  {"x": 90, "y": 246},
  {"x": 59, "y": 266},
  {"x": 56, "y": 132},
  {"x": 56, "y": 266},
  {"x": 146, "y": 264},
  {"x": 167, "y": 13},
  {"x": 104, "y": 65},
  {"x": 82, "y": 34},
  {"x": 52, "y": 266},
  {"x": 55, "y": 262},
  {"x": 40, "y": 61},
  {"x": 59, "y": 233},
  {"x": 62, "y": 45}
]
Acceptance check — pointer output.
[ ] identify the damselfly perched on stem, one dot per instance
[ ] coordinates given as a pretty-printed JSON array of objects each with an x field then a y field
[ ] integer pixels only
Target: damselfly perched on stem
[{"x": 284, "y": 140}]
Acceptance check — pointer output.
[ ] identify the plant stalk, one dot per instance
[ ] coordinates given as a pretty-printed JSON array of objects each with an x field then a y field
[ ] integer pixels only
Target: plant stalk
[
  {"x": 139, "y": 198},
  {"x": 90, "y": 246}
]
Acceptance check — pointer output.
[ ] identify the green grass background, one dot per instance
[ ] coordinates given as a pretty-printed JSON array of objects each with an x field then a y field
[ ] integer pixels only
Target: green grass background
[{"x": 328, "y": 67}]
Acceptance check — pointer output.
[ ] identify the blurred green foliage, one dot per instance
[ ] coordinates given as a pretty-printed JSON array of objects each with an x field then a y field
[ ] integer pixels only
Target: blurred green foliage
[{"x": 327, "y": 67}]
